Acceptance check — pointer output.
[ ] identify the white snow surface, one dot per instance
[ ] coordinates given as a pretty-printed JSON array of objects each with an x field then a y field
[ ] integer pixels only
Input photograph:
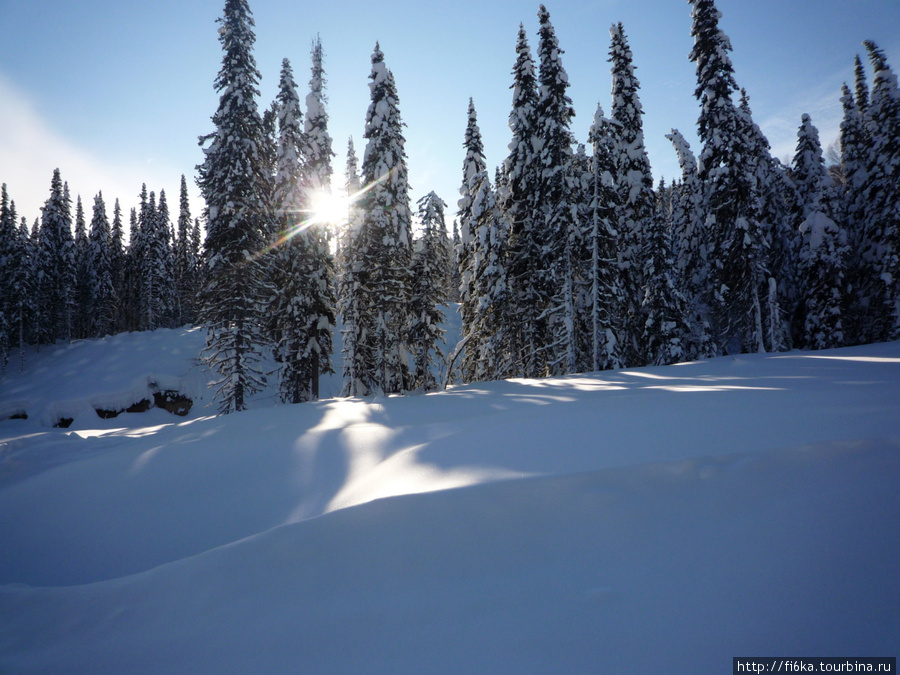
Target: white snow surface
[{"x": 646, "y": 520}]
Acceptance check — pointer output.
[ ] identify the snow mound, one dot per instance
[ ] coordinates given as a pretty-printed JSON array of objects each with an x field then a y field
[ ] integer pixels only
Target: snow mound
[
  {"x": 621, "y": 570},
  {"x": 619, "y": 521},
  {"x": 73, "y": 381}
]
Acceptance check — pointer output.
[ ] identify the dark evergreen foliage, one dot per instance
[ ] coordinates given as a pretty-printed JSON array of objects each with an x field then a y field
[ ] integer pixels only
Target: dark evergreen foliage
[
  {"x": 234, "y": 180},
  {"x": 474, "y": 171},
  {"x": 428, "y": 291},
  {"x": 634, "y": 215},
  {"x": 56, "y": 267},
  {"x": 382, "y": 270},
  {"x": 102, "y": 302},
  {"x": 185, "y": 269},
  {"x": 561, "y": 241},
  {"x": 9, "y": 270},
  {"x": 607, "y": 301},
  {"x": 518, "y": 200}
]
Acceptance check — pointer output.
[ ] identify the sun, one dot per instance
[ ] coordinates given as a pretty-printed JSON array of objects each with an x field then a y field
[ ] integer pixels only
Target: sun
[{"x": 329, "y": 208}]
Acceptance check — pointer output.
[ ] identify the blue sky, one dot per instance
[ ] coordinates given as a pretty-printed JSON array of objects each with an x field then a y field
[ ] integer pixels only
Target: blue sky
[{"x": 116, "y": 93}]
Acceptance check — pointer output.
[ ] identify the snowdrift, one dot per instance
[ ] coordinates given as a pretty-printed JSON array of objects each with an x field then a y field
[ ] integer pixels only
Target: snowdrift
[{"x": 622, "y": 521}]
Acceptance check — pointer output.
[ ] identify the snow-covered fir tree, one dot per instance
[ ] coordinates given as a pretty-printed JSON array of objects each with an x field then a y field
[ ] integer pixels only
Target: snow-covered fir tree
[
  {"x": 289, "y": 304},
  {"x": 56, "y": 266},
  {"x": 145, "y": 288},
  {"x": 197, "y": 250},
  {"x": 118, "y": 261},
  {"x": 82, "y": 314},
  {"x": 186, "y": 286},
  {"x": 814, "y": 187},
  {"x": 634, "y": 183},
  {"x": 482, "y": 328},
  {"x": 823, "y": 247},
  {"x": 9, "y": 268},
  {"x": 351, "y": 188},
  {"x": 352, "y": 294},
  {"x": 103, "y": 298},
  {"x": 690, "y": 245},
  {"x": 474, "y": 171},
  {"x": 384, "y": 257},
  {"x": 234, "y": 181},
  {"x": 316, "y": 183},
  {"x": 428, "y": 292},
  {"x": 519, "y": 201},
  {"x": 861, "y": 86},
  {"x": 22, "y": 318},
  {"x": 158, "y": 295},
  {"x": 492, "y": 287},
  {"x": 583, "y": 183},
  {"x": 773, "y": 191},
  {"x": 881, "y": 192},
  {"x": 607, "y": 301},
  {"x": 737, "y": 257},
  {"x": 303, "y": 305},
  {"x": 558, "y": 265},
  {"x": 666, "y": 330},
  {"x": 455, "y": 278},
  {"x": 133, "y": 265},
  {"x": 17, "y": 277}
]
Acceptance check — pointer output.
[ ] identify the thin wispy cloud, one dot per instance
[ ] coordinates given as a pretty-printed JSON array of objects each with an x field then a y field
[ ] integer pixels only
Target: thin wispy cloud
[{"x": 30, "y": 149}]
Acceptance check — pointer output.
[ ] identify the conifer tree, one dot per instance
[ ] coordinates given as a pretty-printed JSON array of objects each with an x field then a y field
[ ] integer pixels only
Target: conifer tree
[
  {"x": 428, "y": 292},
  {"x": 267, "y": 149},
  {"x": 385, "y": 228},
  {"x": 352, "y": 292},
  {"x": 881, "y": 192},
  {"x": 665, "y": 333},
  {"x": 690, "y": 247},
  {"x": 117, "y": 261},
  {"x": 102, "y": 289},
  {"x": 496, "y": 358},
  {"x": 351, "y": 188},
  {"x": 635, "y": 212},
  {"x": 289, "y": 306},
  {"x": 316, "y": 142},
  {"x": 607, "y": 301},
  {"x": 146, "y": 282},
  {"x": 773, "y": 191},
  {"x": 134, "y": 256},
  {"x": 562, "y": 235},
  {"x": 157, "y": 275},
  {"x": 56, "y": 266},
  {"x": 823, "y": 246},
  {"x": 9, "y": 271},
  {"x": 82, "y": 291},
  {"x": 519, "y": 201},
  {"x": 185, "y": 263},
  {"x": 484, "y": 357},
  {"x": 737, "y": 270},
  {"x": 316, "y": 154},
  {"x": 24, "y": 311},
  {"x": 302, "y": 310},
  {"x": 17, "y": 277},
  {"x": 815, "y": 188},
  {"x": 455, "y": 278},
  {"x": 474, "y": 172},
  {"x": 199, "y": 261},
  {"x": 235, "y": 182},
  {"x": 861, "y": 86}
]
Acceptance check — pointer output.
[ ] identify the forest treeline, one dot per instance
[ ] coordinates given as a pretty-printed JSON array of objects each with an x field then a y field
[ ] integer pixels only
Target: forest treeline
[{"x": 566, "y": 258}]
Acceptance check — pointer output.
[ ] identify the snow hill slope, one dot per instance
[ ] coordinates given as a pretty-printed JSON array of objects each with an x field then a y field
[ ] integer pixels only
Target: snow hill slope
[{"x": 624, "y": 521}]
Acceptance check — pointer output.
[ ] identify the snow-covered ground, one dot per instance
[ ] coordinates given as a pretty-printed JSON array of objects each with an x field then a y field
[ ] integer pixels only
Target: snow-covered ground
[{"x": 635, "y": 521}]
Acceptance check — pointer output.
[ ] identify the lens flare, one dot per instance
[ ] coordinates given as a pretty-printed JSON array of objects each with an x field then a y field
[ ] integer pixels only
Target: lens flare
[{"x": 329, "y": 208}]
